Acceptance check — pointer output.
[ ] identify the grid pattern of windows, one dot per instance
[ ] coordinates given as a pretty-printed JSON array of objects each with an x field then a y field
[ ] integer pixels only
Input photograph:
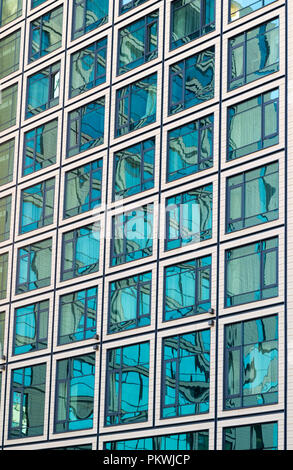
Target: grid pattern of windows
[{"x": 143, "y": 224}]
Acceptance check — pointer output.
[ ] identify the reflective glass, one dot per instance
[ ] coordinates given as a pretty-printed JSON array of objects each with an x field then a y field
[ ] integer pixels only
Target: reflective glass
[
  {"x": 88, "y": 67},
  {"x": 189, "y": 217},
  {"x": 6, "y": 161},
  {"x": 40, "y": 147},
  {"x": 31, "y": 328},
  {"x": 259, "y": 436},
  {"x": 34, "y": 266},
  {"x": 9, "y": 54},
  {"x": 186, "y": 374},
  {"x": 240, "y": 8},
  {"x": 132, "y": 235},
  {"x": 43, "y": 90},
  {"x": 37, "y": 206},
  {"x": 127, "y": 376},
  {"x": 46, "y": 34},
  {"x": 88, "y": 15},
  {"x": 78, "y": 316},
  {"x": 9, "y": 10},
  {"x": 75, "y": 389},
  {"x": 190, "y": 148},
  {"x": 3, "y": 275},
  {"x": 130, "y": 303},
  {"x": 134, "y": 169},
  {"x": 8, "y": 104},
  {"x": 5, "y": 218},
  {"x": 191, "y": 19},
  {"x": 83, "y": 188},
  {"x": 27, "y": 402}
]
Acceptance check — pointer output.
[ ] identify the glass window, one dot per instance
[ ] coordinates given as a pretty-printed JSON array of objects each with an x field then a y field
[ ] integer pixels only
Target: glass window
[
  {"x": 127, "y": 392},
  {"x": 6, "y": 161},
  {"x": 9, "y": 54},
  {"x": 253, "y": 125},
  {"x": 134, "y": 169},
  {"x": 88, "y": 67},
  {"x": 132, "y": 235},
  {"x": 34, "y": 266},
  {"x": 197, "y": 440},
  {"x": 78, "y": 316},
  {"x": 259, "y": 436},
  {"x": 40, "y": 147},
  {"x": 251, "y": 363},
  {"x": 190, "y": 148},
  {"x": 253, "y": 197},
  {"x": 75, "y": 447},
  {"x": 27, "y": 402},
  {"x": 5, "y": 217},
  {"x": 88, "y": 15},
  {"x": 192, "y": 81},
  {"x": 187, "y": 288},
  {"x": 46, "y": 34},
  {"x": 189, "y": 217},
  {"x": 9, "y": 10},
  {"x": 3, "y": 275},
  {"x": 254, "y": 54},
  {"x": 75, "y": 389},
  {"x": 36, "y": 3},
  {"x": 31, "y": 328},
  {"x": 130, "y": 303},
  {"x": 37, "y": 206},
  {"x": 138, "y": 43},
  {"x": 136, "y": 105},
  {"x": 186, "y": 374},
  {"x": 83, "y": 188},
  {"x": 86, "y": 127},
  {"x": 252, "y": 272},
  {"x": 126, "y": 5},
  {"x": 8, "y": 104},
  {"x": 191, "y": 19},
  {"x": 240, "y": 8},
  {"x": 43, "y": 90},
  {"x": 80, "y": 252}
]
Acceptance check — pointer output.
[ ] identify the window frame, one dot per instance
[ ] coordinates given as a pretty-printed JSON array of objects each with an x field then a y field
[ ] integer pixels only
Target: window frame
[{"x": 78, "y": 33}]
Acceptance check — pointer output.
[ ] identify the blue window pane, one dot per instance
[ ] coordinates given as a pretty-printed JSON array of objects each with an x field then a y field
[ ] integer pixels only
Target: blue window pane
[
  {"x": 43, "y": 90},
  {"x": 34, "y": 266},
  {"x": 88, "y": 15},
  {"x": 40, "y": 147},
  {"x": 37, "y": 206},
  {"x": 240, "y": 8},
  {"x": 258, "y": 436},
  {"x": 192, "y": 81},
  {"x": 31, "y": 328}
]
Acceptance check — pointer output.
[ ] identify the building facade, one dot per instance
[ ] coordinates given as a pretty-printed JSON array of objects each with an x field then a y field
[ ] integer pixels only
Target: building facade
[{"x": 145, "y": 224}]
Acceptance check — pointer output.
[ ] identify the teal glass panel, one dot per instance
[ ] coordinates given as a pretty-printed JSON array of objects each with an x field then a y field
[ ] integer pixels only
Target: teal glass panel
[
  {"x": 6, "y": 161},
  {"x": 46, "y": 34},
  {"x": 187, "y": 288},
  {"x": 252, "y": 272},
  {"x": 88, "y": 67},
  {"x": 31, "y": 328},
  {"x": 83, "y": 188},
  {"x": 253, "y": 197},
  {"x": 259, "y": 436},
  {"x": 43, "y": 90},
  {"x": 8, "y": 105},
  {"x": 86, "y": 127},
  {"x": 186, "y": 374},
  {"x": 189, "y": 217},
  {"x": 81, "y": 250},
  {"x": 5, "y": 218},
  {"x": 78, "y": 316},
  {"x": 88, "y": 15},
  {"x": 3, "y": 275},
  {"x": 9, "y": 54},
  {"x": 240, "y": 8},
  {"x": 34, "y": 266},
  {"x": 136, "y": 105},
  {"x": 134, "y": 169},
  {"x": 253, "y": 125},
  {"x": 37, "y": 206},
  {"x": 191, "y": 19},
  {"x": 138, "y": 43},
  {"x": 198, "y": 440},
  {"x": 192, "y": 81},
  {"x": 27, "y": 402},
  {"x": 75, "y": 391},
  {"x": 9, "y": 11},
  {"x": 40, "y": 147},
  {"x": 132, "y": 235},
  {"x": 2, "y": 335},
  {"x": 130, "y": 303},
  {"x": 127, "y": 384},
  {"x": 36, "y": 3},
  {"x": 190, "y": 148},
  {"x": 254, "y": 54},
  {"x": 126, "y": 5},
  {"x": 251, "y": 357}
]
